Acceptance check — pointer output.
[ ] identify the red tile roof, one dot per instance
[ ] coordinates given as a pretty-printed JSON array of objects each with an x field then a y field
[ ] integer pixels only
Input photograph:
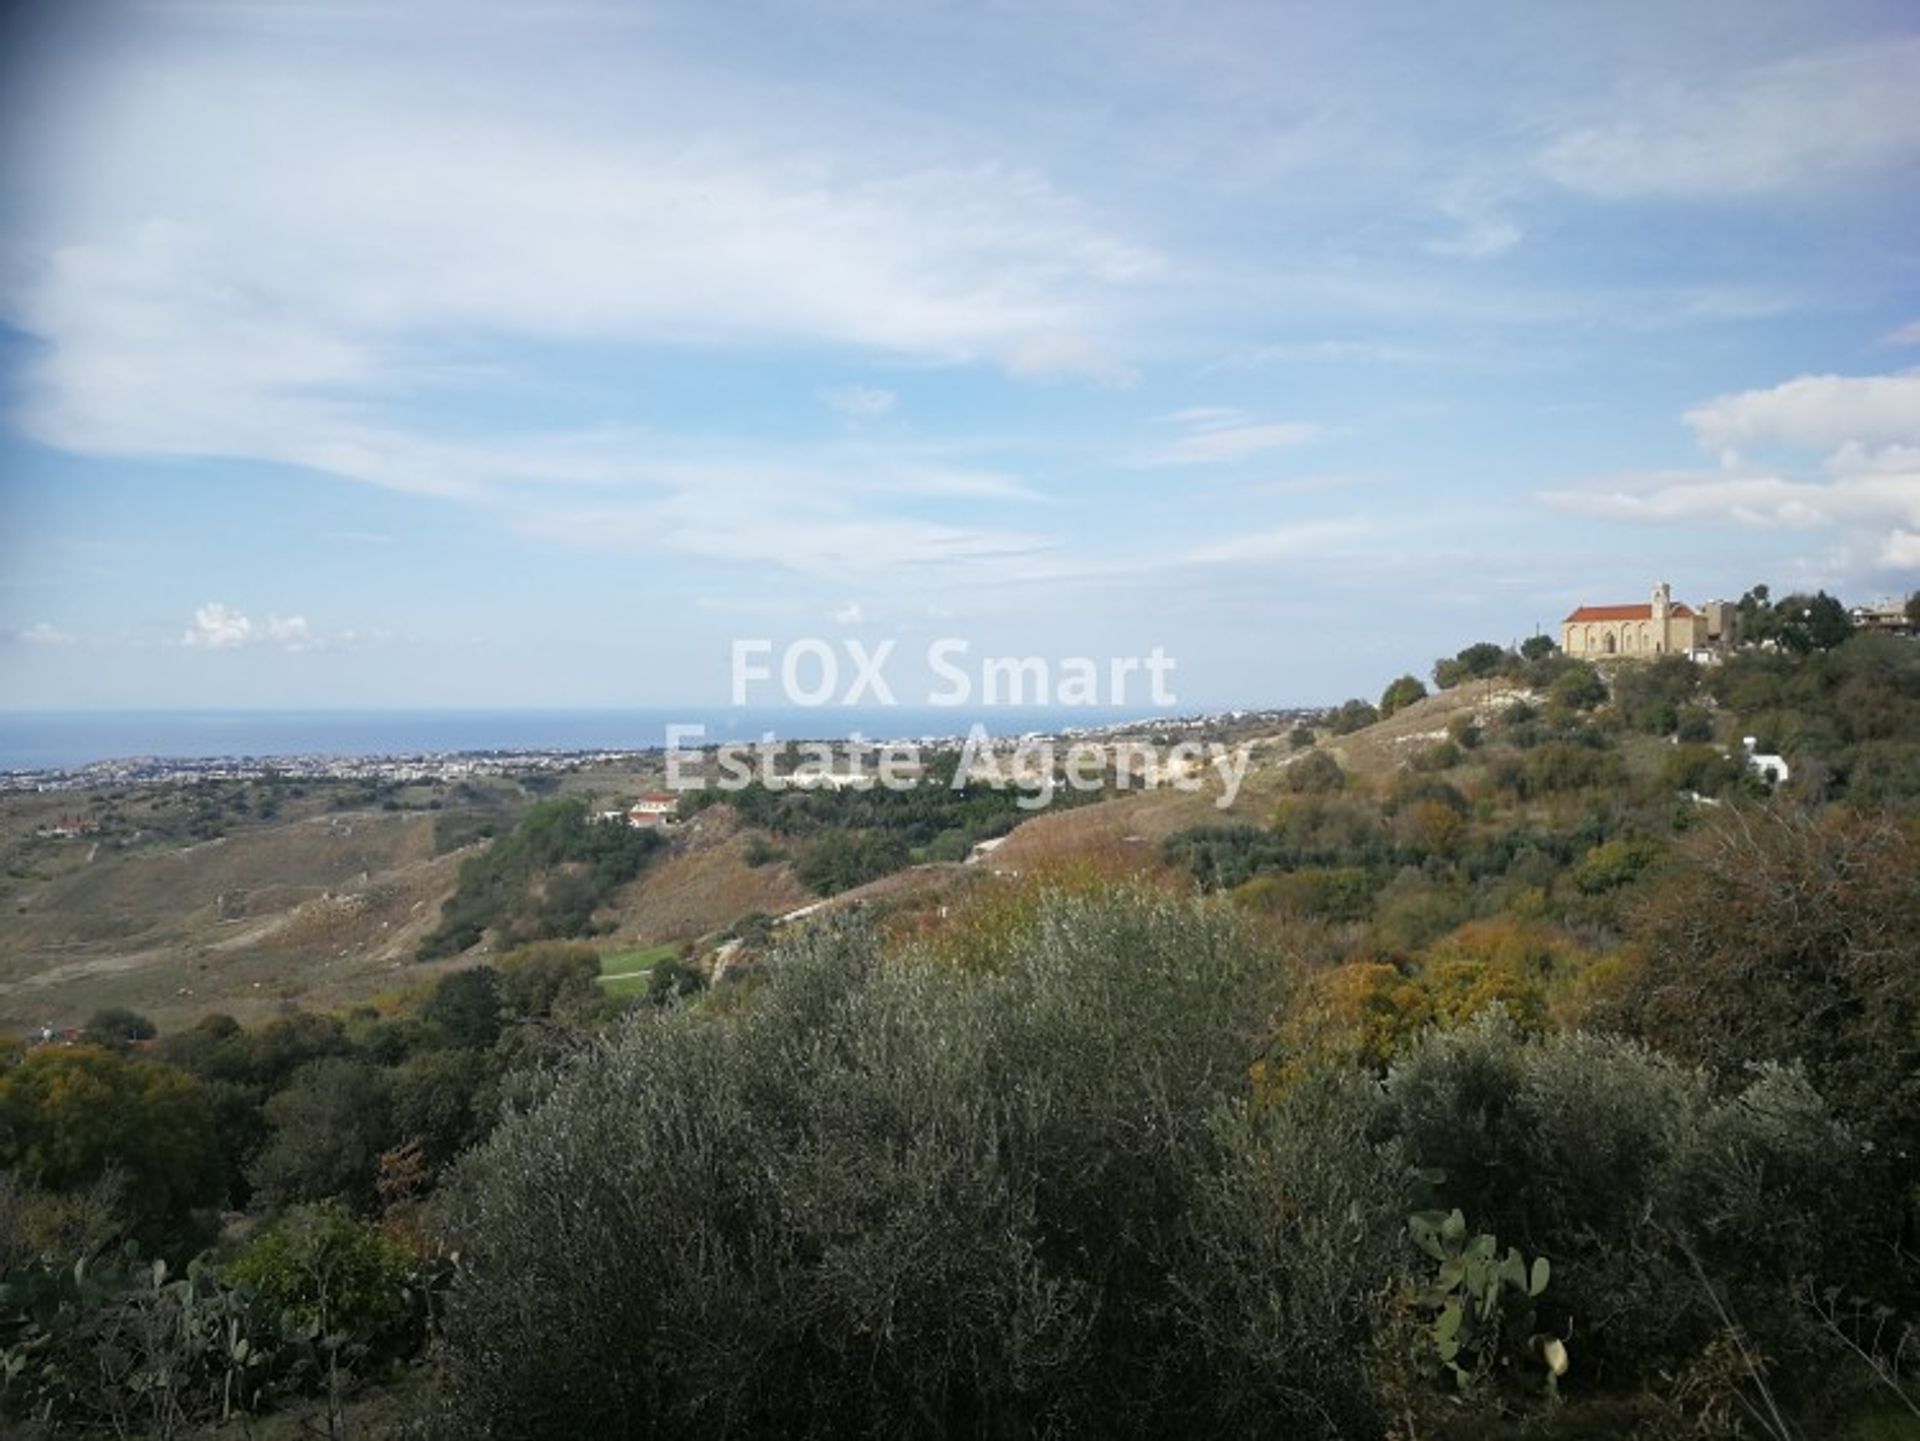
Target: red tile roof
[{"x": 1624, "y": 612}]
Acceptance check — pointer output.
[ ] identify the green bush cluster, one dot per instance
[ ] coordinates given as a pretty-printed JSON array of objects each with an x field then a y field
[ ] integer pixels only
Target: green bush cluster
[
  {"x": 841, "y": 837},
  {"x": 1050, "y": 1193},
  {"x": 894, "y": 1198},
  {"x": 1660, "y": 1196},
  {"x": 118, "y": 1345},
  {"x": 541, "y": 881}
]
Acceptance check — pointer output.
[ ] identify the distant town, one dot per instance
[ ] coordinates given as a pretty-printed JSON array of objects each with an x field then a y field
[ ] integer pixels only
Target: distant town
[{"x": 456, "y": 765}]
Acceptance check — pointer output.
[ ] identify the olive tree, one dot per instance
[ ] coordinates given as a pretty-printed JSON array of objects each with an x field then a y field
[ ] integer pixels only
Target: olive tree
[{"x": 894, "y": 1196}]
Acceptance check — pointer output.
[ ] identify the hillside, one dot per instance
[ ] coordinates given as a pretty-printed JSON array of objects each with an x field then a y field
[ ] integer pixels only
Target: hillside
[
  {"x": 702, "y": 884},
  {"x": 254, "y": 898},
  {"x": 1541, "y": 962},
  {"x": 243, "y": 897},
  {"x": 1126, "y": 833}
]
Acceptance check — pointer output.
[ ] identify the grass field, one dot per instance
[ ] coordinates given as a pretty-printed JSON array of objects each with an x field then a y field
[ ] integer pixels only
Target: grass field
[{"x": 625, "y": 973}]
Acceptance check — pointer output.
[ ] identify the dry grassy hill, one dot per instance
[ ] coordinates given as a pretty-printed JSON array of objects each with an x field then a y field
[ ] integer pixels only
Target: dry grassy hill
[
  {"x": 703, "y": 885},
  {"x": 326, "y": 905},
  {"x": 319, "y": 909},
  {"x": 1127, "y": 832},
  {"x": 1386, "y": 746}
]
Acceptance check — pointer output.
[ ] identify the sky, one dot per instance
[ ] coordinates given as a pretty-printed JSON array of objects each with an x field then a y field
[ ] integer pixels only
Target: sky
[{"x": 496, "y": 355}]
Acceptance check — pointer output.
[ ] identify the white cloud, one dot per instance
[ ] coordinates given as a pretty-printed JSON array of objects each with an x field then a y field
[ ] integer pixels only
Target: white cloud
[
  {"x": 41, "y": 632},
  {"x": 848, "y": 614},
  {"x": 1901, "y": 551},
  {"x": 1480, "y": 239},
  {"x": 1760, "y": 501},
  {"x": 1865, "y": 431},
  {"x": 1908, "y": 334},
  {"x": 218, "y": 627},
  {"x": 1054, "y": 356},
  {"x": 1804, "y": 121},
  {"x": 817, "y": 511},
  {"x": 824, "y": 548},
  {"x": 1220, "y": 434},
  {"x": 221, "y": 627},
  {"x": 860, "y": 402},
  {"x": 291, "y": 632},
  {"x": 198, "y": 299},
  {"x": 1814, "y": 411},
  {"x": 1480, "y": 231}
]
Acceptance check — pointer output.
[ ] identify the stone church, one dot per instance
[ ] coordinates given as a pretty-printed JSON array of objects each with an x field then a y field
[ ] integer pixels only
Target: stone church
[{"x": 1663, "y": 626}]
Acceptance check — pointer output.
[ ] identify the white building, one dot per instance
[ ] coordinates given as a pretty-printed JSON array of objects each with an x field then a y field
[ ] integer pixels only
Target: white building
[{"x": 1770, "y": 768}]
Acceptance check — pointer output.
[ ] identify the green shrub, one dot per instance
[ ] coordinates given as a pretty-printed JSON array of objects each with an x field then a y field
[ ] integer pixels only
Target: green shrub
[
  {"x": 1222, "y": 857},
  {"x": 117, "y": 1027},
  {"x": 1401, "y": 694},
  {"x": 542, "y": 881},
  {"x": 839, "y": 860},
  {"x": 328, "y": 1270},
  {"x": 443, "y": 1100},
  {"x": 69, "y": 1115},
  {"x": 1315, "y": 773},
  {"x": 1693, "y": 725},
  {"x": 1579, "y": 687},
  {"x": 119, "y": 1346},
  {"x": 1440, "y": 756},
  {"x": 547, "y": 978},
  {"x": 1296, "y": 1249},
  {"x": 1562, "y": 766},
  {"x": 1613, "y": 864},
  {"x": 1649, "y": 696},
  {"x": 758, "y": 851},
  {"x": 1481, "y": 661},
  {"x": 1351, "y": 716},
  {"x": 465, "y": 1008},
  {"x": 1706, "y": 770},
  {"x": 1413, "y": 911},
  {"x": 1643, "y": 1184},
  {"x": 1336, "y": 894},
  {"x": 897, "y": 1197},
  {"x": 1779, "y": 937},
  {"x": 328, "y": 1127},
  {"x": 671, "y": 980},
  {"x": 1884, "y": 773}
]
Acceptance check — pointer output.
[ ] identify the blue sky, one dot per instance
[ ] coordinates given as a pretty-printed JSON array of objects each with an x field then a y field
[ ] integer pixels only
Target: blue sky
[{"x": 531, "y": 354}]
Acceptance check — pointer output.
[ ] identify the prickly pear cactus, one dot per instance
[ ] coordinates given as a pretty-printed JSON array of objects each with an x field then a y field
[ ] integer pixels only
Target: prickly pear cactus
[{"x": 1477, "y": 1320}]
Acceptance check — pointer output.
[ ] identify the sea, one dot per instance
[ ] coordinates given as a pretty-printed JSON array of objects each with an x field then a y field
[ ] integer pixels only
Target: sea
[{"x": 62, "y": 740}]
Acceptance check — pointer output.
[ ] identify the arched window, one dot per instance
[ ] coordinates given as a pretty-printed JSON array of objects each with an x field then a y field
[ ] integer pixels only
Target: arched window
[{"x": 1609, "y": 642}]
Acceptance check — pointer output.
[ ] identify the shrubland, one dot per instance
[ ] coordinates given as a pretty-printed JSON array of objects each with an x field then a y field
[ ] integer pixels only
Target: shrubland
[
  {"x": 1558, "y": 1080},
  {"x": 541, "y": 881}
]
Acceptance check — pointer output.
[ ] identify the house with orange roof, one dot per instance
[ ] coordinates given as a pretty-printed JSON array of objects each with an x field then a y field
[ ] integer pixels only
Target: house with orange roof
[
  {"x": 1661, "y": 626},
  {"x": 660, "y": 808}
]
